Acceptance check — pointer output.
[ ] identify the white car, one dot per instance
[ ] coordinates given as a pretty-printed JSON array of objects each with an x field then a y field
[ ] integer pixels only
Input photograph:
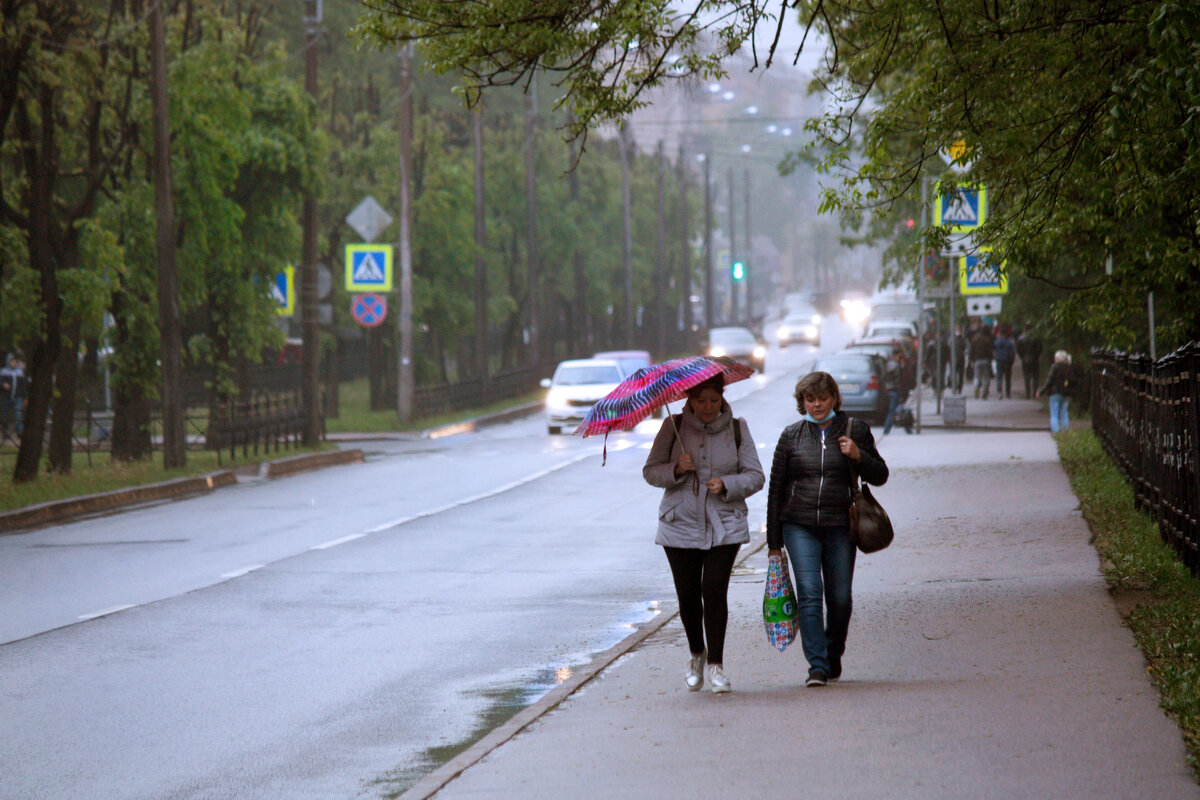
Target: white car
[
  {"x": 800, "y": 326},
  {"x": 895, "y": 328},
  {"x": 575, "y": 388}
]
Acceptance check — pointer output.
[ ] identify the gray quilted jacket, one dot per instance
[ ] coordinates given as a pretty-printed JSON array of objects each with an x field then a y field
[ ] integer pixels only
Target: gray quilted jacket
[{"x": 689, "y": 516}]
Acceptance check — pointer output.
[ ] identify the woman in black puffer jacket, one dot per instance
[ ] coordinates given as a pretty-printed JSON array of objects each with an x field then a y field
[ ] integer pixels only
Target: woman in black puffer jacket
[{"x": 808, "y": 510}]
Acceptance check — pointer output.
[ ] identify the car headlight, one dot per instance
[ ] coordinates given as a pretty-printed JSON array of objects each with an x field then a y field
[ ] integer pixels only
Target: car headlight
[
  {"x": 557, "y": 398},
  {"x": 816, "y": 318},
  {"x": 784, "y": 332},
  {"x": 760, "y": 352},
  {"x": 810, "y": 331},
  {"x": 716, "y": 352}
]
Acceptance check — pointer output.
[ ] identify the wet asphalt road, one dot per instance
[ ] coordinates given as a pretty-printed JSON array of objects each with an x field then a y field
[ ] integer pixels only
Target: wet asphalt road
[{"x": 333, "y": 634}]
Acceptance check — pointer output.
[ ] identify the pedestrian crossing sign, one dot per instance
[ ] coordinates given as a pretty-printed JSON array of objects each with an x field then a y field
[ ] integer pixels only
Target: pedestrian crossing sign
[
  {"x": 980, "y": 273},
  {"x": 283, "y": 291},
  {"x": 368, "y": 267},
  {"x": 963, "y": 209}
]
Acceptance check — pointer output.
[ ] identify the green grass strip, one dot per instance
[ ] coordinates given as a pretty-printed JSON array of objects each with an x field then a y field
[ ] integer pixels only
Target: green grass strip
[{"x": 1158, "y": 597}]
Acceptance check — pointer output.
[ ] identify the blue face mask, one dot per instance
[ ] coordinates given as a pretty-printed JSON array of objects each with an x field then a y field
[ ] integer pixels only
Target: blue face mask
[{"x": 807, "y": 417}]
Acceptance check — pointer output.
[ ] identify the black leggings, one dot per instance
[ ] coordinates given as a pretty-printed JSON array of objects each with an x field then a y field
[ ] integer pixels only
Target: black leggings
[{"x": 701, "y": 584}]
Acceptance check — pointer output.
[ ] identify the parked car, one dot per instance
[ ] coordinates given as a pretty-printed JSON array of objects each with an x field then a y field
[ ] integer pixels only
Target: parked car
[
  {"x": 802, "y": 325},
  {"x": 894, "y": 328},
  {"x": 575, "y": 388},
  {"x": 906, "y": 310},
  {"x": 739, "y": 344},
  {"x": 860, "y": 378},
  {"x": 630, "y": 361},
  {"x": 882, "y": 346}
]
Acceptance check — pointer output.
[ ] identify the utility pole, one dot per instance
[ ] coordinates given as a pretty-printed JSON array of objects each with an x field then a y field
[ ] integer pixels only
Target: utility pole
[
  {"x": 686, "y": 247},
  {"x": 170, "y": 333},
  {"x": 733, "y": 254},
  {"x": 709, "y": 317},
  {"x": 627, "y": 239},
  {"x": 748, "y": 302},
  {"x": 660, "y": 257},
  {"x": 404, "y": 323},
  {"x": 582, "y": 320},
  {"x": 481, "y": 352},
  {"x": 535, "y": 334},
  {"x": 310, "y": 333}
]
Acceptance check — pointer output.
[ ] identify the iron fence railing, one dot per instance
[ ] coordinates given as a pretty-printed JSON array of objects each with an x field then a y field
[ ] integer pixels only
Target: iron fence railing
[
  {"x": 1147, "y": 415},
  {"x": 270, "y": 420}
]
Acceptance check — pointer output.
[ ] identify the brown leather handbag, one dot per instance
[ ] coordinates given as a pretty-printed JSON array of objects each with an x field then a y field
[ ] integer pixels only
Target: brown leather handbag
[{"x": 870, "y": 527}]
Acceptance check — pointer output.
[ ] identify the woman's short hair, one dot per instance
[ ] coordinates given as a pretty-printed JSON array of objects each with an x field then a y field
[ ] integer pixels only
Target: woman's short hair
[
  {"x": 1063, "y": 356},
  {"x": 815, "y": 383},
  {"x": 716, "y": 383}
]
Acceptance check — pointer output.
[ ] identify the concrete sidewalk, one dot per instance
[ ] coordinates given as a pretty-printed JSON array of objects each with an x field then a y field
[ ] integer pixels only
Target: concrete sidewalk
[{"x": 986, "y": 659}]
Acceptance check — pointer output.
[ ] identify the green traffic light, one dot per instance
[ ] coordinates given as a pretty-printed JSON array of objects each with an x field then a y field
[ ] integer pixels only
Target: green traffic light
[{"x": 739, "y": 270}]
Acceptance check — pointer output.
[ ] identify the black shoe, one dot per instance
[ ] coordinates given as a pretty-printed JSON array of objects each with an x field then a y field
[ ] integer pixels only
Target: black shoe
[
  {"x": 816, "y": 677},
  {"x": 835, "y": 668}
]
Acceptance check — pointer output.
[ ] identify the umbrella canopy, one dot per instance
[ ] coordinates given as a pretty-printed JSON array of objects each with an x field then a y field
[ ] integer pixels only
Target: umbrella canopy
[{"x": 636, "y": 397}]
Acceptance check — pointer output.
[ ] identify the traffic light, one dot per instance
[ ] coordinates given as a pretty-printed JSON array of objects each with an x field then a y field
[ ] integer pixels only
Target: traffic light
[{"x": 739, "y": 271}]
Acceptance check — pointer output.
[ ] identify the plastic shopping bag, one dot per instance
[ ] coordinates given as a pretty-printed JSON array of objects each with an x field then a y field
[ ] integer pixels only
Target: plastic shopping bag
[{"x": 781, "y": 615}]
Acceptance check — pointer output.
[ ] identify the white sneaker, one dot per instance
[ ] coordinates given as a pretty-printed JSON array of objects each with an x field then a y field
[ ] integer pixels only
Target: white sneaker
[
  {"x": 695, "y": 673},
  {"x": 717, "y": 679}
]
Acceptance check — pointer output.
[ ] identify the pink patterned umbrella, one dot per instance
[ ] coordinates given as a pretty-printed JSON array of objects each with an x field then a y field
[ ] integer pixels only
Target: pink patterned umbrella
[{"x": 637, "y": 397}]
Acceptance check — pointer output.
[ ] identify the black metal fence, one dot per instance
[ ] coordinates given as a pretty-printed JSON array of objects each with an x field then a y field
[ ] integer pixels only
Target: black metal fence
[
  {"x": 1147, "y": 415},
  {"x": 270, "y": 420}
]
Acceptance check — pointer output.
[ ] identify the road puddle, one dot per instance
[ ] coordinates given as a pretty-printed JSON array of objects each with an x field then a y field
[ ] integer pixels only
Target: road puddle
[{"x": 502, "y": 702}]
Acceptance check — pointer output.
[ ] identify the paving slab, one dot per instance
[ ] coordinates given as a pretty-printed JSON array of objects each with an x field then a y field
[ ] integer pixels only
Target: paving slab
[{"x": 986, "y": 659}]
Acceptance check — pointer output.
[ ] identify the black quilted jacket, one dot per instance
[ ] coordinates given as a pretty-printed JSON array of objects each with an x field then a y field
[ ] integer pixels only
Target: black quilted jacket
[{"x": 810, "y": 480}]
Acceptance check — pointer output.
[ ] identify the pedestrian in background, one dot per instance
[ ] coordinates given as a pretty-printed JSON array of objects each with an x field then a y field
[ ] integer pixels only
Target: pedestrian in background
[
  {"x": 808, "y": 511},
  {"x": 1029, "y": 350},
  {"x": 1005, "y": 354},
  {"x": 12, "y": 396},
  {"x": 961, "y": 356},
  {"x": 1059, "y": 386},
  {"x": 707, "y": 469},
  {"x": 982, "y": 353},
  {"x": 893, "y": 384}
]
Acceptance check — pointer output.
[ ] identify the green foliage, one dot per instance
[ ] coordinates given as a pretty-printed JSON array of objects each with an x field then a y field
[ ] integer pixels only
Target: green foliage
[
  {"x": 602, "y": 57},
  {"x": 1080, "y": 118}
]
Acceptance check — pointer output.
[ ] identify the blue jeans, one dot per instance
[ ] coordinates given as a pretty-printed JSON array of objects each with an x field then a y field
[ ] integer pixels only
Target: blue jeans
[
  {"x": 1058, "y": 413},
  {"x": 823, "y": 568},
  {"x": 893, "y": 404}
]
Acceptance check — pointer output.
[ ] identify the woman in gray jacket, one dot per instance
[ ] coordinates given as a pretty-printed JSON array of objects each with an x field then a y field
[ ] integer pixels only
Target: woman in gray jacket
[{"x": 707, "y": 471}]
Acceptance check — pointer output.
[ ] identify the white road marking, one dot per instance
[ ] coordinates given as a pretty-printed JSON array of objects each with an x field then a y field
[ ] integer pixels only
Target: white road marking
[
  {"x": 104, "y": 612},
  {"x": 482, "y": 496},
  {"x": 336, "y": 542},
  {"x": 237, "y": 573}
]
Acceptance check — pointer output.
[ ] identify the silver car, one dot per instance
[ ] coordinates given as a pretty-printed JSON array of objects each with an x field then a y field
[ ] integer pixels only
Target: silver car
[{"x": 860, "y": 380}]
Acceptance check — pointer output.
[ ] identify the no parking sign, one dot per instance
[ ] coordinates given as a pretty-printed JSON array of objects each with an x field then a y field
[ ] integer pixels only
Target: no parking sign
[{"x": 369, "y": 310}]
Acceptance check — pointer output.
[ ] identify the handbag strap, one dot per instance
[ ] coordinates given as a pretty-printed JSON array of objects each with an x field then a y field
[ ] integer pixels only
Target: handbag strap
[{"x": 853, "y": 472}]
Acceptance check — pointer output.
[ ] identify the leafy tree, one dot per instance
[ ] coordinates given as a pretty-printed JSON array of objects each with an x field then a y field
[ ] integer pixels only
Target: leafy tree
[
  {"x": 61, "y": 138},
  {"x": 1080, "y": 118}
]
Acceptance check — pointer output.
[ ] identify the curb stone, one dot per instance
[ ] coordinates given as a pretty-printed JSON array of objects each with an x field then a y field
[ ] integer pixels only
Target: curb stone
[{"x": 58, "y": 511}]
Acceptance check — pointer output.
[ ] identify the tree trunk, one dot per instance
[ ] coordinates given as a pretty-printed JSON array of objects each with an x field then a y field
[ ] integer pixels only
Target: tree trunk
[
  {"x": 39, "y": 162},
  {"x": 131, "y": 408},
  {"x": 131, "y": 427},
  {"x": 62, "y": 427},
  {"x": 171, "y": 336}
]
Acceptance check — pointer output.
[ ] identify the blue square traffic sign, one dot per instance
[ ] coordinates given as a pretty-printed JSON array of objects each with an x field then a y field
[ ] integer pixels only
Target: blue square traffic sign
[{"x": 368, "y": 267}]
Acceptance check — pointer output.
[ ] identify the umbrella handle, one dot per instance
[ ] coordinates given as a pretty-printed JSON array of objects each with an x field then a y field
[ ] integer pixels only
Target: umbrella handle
[{"x": 695, "y": 475}]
